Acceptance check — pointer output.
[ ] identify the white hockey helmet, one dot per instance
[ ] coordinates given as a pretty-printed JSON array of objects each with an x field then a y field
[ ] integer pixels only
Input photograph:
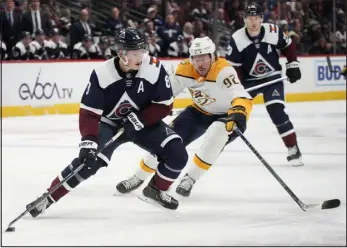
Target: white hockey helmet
[{"x": 202, "y": 46}]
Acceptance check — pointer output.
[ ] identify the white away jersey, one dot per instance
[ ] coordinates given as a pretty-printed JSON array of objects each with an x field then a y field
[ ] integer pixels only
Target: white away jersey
[{"x": 213, "y": 94}]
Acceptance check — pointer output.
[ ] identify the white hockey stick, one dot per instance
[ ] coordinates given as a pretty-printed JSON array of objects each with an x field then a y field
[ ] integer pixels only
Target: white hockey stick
[{"x": 177, "y": 112}]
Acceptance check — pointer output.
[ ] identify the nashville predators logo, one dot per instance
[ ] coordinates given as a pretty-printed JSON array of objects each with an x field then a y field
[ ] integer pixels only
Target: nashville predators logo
[{"x": 201, "y": 98}]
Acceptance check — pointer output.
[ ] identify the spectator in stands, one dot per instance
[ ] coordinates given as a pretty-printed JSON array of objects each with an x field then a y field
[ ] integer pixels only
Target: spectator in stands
[
  {"x": 3, "y": 49},
  {"x": 199, "y": 30},
  {"x": 57, "y": 49},
  {"x": 341, "y": 36},
  {"x": 178, "y": 48},
  {"x": 168, "y": 33},
  {"x": 201, "y": 13},
  {"x": 81, "y": 50},
  {"x": 153, "y": 16},
  {"x": 188, "y": 33},
  {"x": 140, "y": 11},
  {"x": 10, "y": 24},
  {"x": 93, "y": 20},
  {"x": 34, "y": 20},
  {"x": 105, "y": 48},
  {"x": 80, "y": 28},
  {"x": 153, "y": 47},
  {"x": 21, "y": 50},
  {"x": 321, "y": 47},
  {"x": 65, "y": 25},
  {"x": 113, "y": 23},
  {"x": 297, "y": 36}
]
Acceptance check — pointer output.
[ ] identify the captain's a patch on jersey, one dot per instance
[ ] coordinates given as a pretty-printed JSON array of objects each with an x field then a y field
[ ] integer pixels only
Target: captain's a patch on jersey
[{"x": 261, "y": 67}]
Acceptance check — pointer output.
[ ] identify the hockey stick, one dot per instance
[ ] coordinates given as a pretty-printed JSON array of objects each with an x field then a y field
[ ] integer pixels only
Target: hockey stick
[
  {"x": 73, "y": 173},
  {"x": 330, "y": 66},
  {"x": 177, "y": 112},
  {"x": 333, "y": 203}
]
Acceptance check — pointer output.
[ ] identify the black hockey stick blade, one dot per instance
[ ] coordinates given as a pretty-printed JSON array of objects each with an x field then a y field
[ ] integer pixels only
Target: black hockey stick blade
[
  {"x": 328, "y": 204},
  {"x": 334, "y": 203}
]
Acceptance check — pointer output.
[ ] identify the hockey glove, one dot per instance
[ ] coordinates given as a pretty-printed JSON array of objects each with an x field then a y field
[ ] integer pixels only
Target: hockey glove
[
  {"x": 132, "y": 125},
  {"x": 236, "y": 116},
  {"x": 87, "y": 153},
  {"x": 293, "y": 71}
]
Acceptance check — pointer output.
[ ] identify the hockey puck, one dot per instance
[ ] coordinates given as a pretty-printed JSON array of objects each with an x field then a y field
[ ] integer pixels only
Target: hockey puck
[{"x": 10, "y": 229}]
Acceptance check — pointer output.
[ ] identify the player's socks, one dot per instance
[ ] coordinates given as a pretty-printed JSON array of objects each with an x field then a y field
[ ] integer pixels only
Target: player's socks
[
  {"x": 144, "y": 171},
  {"x": 294, "y": 155}
]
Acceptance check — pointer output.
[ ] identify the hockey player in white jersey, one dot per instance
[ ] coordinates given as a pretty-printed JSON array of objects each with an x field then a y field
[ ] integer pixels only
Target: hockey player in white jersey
[
  {"x": 219, "y": 102},
  {"x": 254, "y": 52}
]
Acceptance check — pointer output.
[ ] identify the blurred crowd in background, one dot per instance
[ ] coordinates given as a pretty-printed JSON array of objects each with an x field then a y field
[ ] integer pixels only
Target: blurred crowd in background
[{"x": 84, "y": 29}]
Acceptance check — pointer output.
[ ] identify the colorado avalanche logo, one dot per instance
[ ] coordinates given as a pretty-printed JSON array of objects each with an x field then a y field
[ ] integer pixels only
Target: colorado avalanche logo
[
  {"x": 124, "y": 106},
  {"x": 261, "y": 67}
]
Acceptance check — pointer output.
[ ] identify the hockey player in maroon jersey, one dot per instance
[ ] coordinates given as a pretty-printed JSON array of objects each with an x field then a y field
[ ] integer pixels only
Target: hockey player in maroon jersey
[
  {"x": 254, "y": 52},
  {"x": 133, "y": 91}
]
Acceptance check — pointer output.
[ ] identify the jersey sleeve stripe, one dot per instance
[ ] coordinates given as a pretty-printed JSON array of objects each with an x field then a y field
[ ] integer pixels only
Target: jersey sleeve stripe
[
  {"x": 166, "y": 102},
  {"x": 235, "y": 64},
  {"x": 94, "y": 110}
]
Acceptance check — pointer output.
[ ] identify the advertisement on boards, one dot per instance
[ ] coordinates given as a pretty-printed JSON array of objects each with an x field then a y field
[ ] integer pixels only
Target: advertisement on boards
[
  {"x": 326, "y": 78},
  {"x": 43, "y": 84}
]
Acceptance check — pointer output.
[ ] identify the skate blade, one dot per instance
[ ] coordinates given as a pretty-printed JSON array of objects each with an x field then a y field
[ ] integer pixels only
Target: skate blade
[
  {"x": 297, "y": 163},
  {"x": 150, "y": 201}
]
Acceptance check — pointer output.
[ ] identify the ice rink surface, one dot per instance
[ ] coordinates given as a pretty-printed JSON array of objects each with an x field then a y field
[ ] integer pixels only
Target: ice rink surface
[{"x": 238, "y": 202}]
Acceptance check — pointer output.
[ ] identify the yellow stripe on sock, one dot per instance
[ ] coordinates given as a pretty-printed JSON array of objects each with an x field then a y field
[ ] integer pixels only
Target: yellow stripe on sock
[
  {"x": 145, "y": 167},
  {"x": 201, "y": 164}
]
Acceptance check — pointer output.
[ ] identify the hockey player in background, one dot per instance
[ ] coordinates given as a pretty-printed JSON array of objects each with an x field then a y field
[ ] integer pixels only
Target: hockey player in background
[
  {"x": 132, "y": 91},
  {"x": 254, "y": 52},
  {"x": 21, "y": 50},
  {"x": 57, "y": 49},
  {"x": 37, "y": 48},
  {"x": 219, "y": 102}
]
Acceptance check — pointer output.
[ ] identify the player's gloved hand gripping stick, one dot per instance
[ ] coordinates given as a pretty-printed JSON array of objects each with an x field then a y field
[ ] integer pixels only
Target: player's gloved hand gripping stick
[
  {"x": 73, "y": 173},
  {"x": 333, "y": 203}
]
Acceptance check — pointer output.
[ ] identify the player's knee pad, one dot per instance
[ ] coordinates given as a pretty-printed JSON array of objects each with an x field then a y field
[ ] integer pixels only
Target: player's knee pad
[
  {"x": 83, "y": 174},
  {"x": 173, "y": 159},
  {"x": 216, "y": 136},
  {"x": 277, "y": 113}
]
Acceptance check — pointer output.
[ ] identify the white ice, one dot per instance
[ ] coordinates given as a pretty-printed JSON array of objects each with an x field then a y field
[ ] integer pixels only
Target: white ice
[{"x": 238, "y": 202}]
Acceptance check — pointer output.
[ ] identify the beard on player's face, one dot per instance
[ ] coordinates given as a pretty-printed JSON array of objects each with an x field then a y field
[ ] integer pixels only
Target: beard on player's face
[{"x": 202, "y": 64}]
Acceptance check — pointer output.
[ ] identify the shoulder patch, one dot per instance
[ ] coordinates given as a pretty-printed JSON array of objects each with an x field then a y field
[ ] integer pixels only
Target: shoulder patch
[
  {"x": 271, "y": 35},
  {"x": 150, "y": 69},
  {"x": 216, "y": 68},
  {"x": 154, "y": 61}
]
